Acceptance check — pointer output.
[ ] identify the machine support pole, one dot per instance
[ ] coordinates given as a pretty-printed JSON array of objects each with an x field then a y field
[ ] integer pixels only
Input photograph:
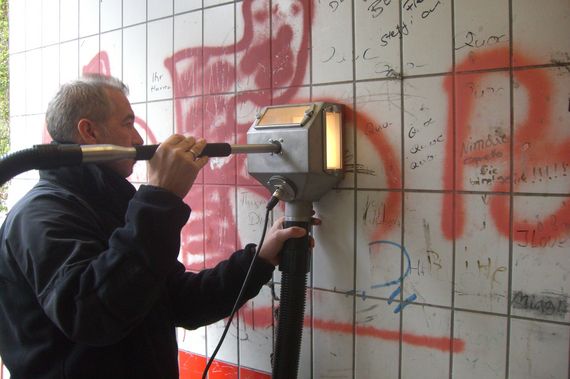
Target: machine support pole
[{"x": 295, "y": 265}]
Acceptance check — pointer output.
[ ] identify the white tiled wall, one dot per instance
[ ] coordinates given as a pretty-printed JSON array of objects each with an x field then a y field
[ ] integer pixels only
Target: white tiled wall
[{"x": 443, "y": 252}]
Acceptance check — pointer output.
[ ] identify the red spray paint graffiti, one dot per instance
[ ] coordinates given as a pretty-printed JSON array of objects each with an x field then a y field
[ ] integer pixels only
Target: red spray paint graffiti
[
  {"x": 535, "y": 144},
  {"x": 198, "y": 102},
  {"x": 201, "y": 77},
  {"x": 260, "y": 317}
]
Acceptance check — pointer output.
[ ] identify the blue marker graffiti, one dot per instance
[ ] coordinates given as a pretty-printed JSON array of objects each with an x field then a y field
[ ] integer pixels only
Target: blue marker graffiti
[{"x": 398, "y": 281}]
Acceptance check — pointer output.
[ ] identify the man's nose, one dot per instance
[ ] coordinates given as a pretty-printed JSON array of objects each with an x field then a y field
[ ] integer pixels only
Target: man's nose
[{"x": 137, "y": 139}]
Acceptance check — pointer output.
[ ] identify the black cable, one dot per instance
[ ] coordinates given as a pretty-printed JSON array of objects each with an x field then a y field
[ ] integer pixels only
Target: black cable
[{"x": 241, "y": 292}]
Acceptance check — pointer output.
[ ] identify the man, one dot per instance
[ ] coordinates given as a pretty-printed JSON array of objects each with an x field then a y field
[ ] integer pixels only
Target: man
[{"x": 90, "y": 284}]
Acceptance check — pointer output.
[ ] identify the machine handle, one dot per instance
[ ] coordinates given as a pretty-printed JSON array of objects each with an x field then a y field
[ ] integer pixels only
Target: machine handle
[
  {"x": 296, "y": 252},
  {"x": 146, "y": 152}
]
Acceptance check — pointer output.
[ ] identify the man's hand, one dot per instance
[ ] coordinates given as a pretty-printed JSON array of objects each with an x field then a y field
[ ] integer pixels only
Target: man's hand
[
  {"x": 276, "y": 237},
  {"x": 175, "y": 165}
]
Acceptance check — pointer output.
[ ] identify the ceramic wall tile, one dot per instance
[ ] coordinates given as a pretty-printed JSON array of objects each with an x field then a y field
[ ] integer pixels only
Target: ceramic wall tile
[
  {"x": 111, "y": 56},
  {"x": 49, "y": 75},
  {"x": 212, "y": 3},
  {"x": 111, "y": 15},
  {"x": 68, "y": 20},
  {"x": 160, "y": 119},
  {"x": 426, "y": 134},
  {"x": 430, "y": 251},
  {"x": 193, "y": 341},
  {"x": 332, "y": 52},
  {"x": 186, "y": 62},
  {"x": 219, "y": 126},
  {"x": 537, "y": 32},
  {"x": 251, "y": 211},
  {"x": 426, "y": 33},
  {"x": 187, "y": 30},
  {"x": 68, "y": 61},
  {"x": 88, "y": 54},
  {"x": 188, "y": 118},
  {"x": 540, "y": 111},
  {"x": 134, "y": 12},
  {"x": 219, "y": 223},
  {"x": 426, "y": 335},
  {"x": 50, "y": 22},
  {"x": 377, "y": 335},
  {"x": 17, "y": 71},
  {"x": 219, "y": 50},
  {"x": 159, "y": 81},
  {"x": 33, "y": 24},
  {"x": 228, "y": 352},
  {"x": 27, "y": 132},
  {"x": 134, "y": 62},
  {"x": 540, "y": 263},
  {"x": 253, "y": 59},
  {"x": 249, "y": 104},
  {"x": 377, "y": 54},
  {"x": 33, "y": 82},
  {"x": 481, "y": 254},
  {"x": 17, "y": 26},
  {"x": 88, "y": 17},
  {"x": 186, "y": 5},
  {"x": 18, "y": 141},
  {"x": 333, "y": 321},
  {"x": 538, "y": 350},
  {"x": 159, "y": 9},
  {"x": 482, "y": 132},
  {"x": 481, "y": 34},
  {"x": 379, "y": 252},
  {"x": 256, "y": 332},
  {"x": 287, "y": 96},
  {"x": 333, "y": 255},
  {"x": 481, "y": 342},
  {"x": 378, "y": 135},
  {"x": 290, "y": 41}
]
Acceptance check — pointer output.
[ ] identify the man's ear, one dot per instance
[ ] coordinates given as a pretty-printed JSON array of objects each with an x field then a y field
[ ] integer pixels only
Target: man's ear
[{"x": 88, "y": 132}]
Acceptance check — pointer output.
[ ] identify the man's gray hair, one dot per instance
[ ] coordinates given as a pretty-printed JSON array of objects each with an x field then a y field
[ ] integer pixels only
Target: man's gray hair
[{"x": 82, "y": 98}]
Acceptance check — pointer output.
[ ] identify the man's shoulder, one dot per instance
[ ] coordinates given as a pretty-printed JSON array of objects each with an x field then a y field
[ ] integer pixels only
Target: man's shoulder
[{"x": 46, "y": 197}]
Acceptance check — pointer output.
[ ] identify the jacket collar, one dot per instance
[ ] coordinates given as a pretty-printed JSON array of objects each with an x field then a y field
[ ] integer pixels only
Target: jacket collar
[{"x": 97, "y": 184}]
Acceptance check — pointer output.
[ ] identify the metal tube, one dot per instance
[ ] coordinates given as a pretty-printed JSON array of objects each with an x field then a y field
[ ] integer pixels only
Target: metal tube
[
  {"x": 106, "y": 153},
  {"x": 256, "y": 148}
]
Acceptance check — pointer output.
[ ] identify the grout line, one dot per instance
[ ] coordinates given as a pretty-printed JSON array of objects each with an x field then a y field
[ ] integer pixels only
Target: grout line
[
  {"x": 401, "y": 190},
  {"x": 452, "y": 125},
  {"x": 511, "y": 191},
  {"x": 310, "y": 9},
  {"x": 354, "y": 198},
  {"x": 447, "y": 307},
  {"x": 235, "y": 186}
]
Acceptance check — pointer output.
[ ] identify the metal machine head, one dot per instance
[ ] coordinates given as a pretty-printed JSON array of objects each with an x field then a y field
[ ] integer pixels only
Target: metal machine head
[{"x": 310, "y": 160}]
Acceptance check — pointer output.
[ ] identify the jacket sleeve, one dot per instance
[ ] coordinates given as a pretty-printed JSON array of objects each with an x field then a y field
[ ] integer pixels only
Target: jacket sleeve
[
  {"x": 208, "y": 296},
  {"x": 97, "y": 290}
]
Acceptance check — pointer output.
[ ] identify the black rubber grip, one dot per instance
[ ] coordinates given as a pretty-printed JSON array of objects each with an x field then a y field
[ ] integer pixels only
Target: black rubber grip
[
  {"x": 217, "y": 150},
  {"x": 296, "y": 252},
  {"x": 146, "y": 152}
]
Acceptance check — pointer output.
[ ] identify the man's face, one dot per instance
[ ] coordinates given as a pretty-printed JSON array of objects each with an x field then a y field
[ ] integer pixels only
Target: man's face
[{"x": 119, "y": 129}]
